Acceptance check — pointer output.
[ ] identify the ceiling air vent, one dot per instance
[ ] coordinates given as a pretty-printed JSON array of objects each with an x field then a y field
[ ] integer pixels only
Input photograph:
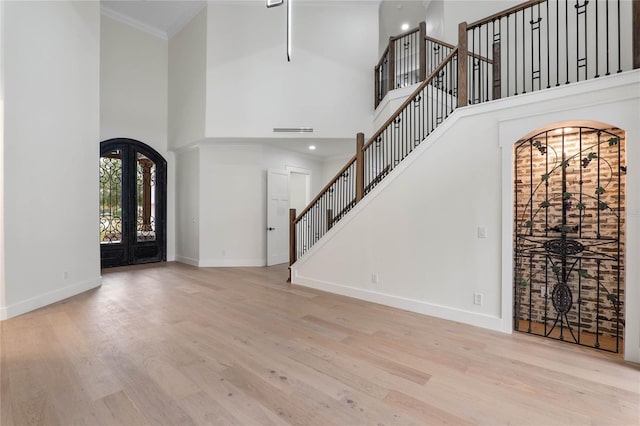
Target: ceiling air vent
[{"x": 293, "y": 129}]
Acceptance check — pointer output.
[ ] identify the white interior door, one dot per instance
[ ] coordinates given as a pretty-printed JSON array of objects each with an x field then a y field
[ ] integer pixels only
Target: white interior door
[{"x": 277, "y": 217}]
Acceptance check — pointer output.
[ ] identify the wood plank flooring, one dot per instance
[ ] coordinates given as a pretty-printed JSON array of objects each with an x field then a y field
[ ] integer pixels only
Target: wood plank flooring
[{"x": 171, "y": 344}]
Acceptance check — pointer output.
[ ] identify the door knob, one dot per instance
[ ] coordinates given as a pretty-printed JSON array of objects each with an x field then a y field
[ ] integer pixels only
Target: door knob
[{"x": 271, "y": 229}]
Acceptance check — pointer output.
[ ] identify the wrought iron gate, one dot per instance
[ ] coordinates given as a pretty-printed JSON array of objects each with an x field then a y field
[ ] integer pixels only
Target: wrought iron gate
[{"x": 569, "y": 236}]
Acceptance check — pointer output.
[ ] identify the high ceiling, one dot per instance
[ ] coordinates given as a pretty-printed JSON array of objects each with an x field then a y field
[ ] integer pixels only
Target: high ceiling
[{"x": 165, "y": 18}]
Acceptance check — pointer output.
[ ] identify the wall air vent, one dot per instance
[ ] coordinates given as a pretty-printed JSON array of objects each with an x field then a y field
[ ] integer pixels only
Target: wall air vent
[{"x": 293, "y": 129}]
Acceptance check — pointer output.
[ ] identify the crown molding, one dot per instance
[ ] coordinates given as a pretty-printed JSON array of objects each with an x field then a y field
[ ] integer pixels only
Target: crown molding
[
  {"x": 300, "y": 2},
  {"x": 110, "y": 13}
]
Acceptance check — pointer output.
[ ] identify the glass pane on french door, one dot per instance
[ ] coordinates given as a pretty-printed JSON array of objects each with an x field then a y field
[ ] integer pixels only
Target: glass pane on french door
[
  {"x": 145, "y": 198},
  {"x": 111, "y": 197}
]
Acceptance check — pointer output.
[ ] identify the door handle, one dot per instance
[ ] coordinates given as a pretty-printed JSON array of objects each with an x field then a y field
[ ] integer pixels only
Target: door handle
[{"x": 271, "y": 229}]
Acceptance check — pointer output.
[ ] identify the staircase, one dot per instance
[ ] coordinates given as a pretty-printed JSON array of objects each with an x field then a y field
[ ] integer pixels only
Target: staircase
[{"x": 534, "y": 46}]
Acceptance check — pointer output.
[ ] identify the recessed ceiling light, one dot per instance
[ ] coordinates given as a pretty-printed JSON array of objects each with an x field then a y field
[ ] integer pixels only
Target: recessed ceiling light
[
  {"x": 312, "y": 147},
  {"x": 405, "y": 27}
]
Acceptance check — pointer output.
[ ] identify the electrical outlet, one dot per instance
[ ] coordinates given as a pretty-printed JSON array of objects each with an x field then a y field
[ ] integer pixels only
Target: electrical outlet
[
  {"x": 374, "y": 278},
  {"x": 542, "y": 293},
  {"x": 477, "y": 299},
  {"x": 482, "y": 232}
]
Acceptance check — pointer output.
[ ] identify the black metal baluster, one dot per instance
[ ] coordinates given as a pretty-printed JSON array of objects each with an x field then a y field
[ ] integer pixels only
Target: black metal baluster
[
  {"x": 607, "y": 33},
  {"x": 405, "y": 128},
  {"x": 581, "y": 62},
  {"x": 539, "y": 50},
  {"x": 566, "y": 38},
  {"x": 472, "y": 92},
  {"x": 597, "y": 39},
  {"x": 535, "y": 27},
  {"x": 524, "y": 56},
  {"x": 515, "y": 53},
  {"x": 619, "y": 42},
  {"x": 548, "y": 24},
  {"x": 485, "y": 63},
  {"x": 557, "y": 33},
  {"x": 508, "y": 39}
]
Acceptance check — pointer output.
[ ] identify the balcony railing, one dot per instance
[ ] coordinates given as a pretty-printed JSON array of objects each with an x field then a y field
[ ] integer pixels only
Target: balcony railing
[{"x": 533, "y": 46}]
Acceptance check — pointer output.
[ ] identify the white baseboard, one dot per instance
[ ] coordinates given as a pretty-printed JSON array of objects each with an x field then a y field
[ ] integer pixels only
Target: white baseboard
[
  {"x": 48, "y": 298},
  {"x": 219, "y": 263},
  {"x": 412, "y": 305},
  {"x": 187, "y": 260}
]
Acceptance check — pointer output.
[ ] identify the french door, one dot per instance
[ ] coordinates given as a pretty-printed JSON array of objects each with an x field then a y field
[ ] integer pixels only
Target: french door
[{"x": 133, "y": 178}]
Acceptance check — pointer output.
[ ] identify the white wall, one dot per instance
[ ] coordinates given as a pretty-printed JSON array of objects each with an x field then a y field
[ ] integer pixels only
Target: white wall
[
  {"x": 188, "y": 206},
  {"x": 133, "y": 97},
  {"x": 51, "y": 124},
  {"x": 331, "y": 167},
  {"x": 435, "y": 20},
  {"x": 233, "y": 209},
  {"x": 393, "y": 13},
  {"x": 431, "y": 260},
  {"x": 251, "y": 88},
  {"x": 298, "y": 191},
  {"x": 444, "y": 16},
  {"x": 187, "y": 83}
]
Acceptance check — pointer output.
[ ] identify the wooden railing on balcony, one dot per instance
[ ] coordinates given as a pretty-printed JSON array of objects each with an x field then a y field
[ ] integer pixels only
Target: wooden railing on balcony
[
  {"x": 403, "y": 62},
  {"x": 541, "y": 44},
  {"x": 496, "y": 57}
]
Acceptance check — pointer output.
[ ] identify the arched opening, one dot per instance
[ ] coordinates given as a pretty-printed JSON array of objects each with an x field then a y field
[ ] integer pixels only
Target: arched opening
[
  {"x": 569, "y": 222},
  {"x": 133, "y": 207}
]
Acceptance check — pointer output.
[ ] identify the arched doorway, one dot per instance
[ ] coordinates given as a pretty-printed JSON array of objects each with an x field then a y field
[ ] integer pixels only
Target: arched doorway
[
  {"x": 570, "y": 234},
  {"x": 133, "y": 181}
]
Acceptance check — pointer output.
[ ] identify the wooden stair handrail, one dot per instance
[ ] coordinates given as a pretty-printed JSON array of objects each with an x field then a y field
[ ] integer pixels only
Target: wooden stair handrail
[
  {"x": 352, "y": 203},
  {"x": 325, "y": 189},
  {"x": 404, "y": 34},
  {"x": 384, "y": 53},
  {"x": 502, "y": 14},
  {"x": 411, "y": 97},
  {"x": 436, "y": 41}
]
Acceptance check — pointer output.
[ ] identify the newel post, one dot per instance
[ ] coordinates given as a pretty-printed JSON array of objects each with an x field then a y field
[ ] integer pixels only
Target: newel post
[
  {"x": 359, "y": 167},
  {"x": 462, "y": 64},
  {"x": 635, "y": 25},
  {"x": 423, "y": 51},
  {"x": 391, "y": 64},
  {"x": 292, "y": 240}
]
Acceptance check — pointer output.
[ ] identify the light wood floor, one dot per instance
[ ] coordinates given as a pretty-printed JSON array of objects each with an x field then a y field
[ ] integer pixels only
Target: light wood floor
[{"x": 177, "y": 345}]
